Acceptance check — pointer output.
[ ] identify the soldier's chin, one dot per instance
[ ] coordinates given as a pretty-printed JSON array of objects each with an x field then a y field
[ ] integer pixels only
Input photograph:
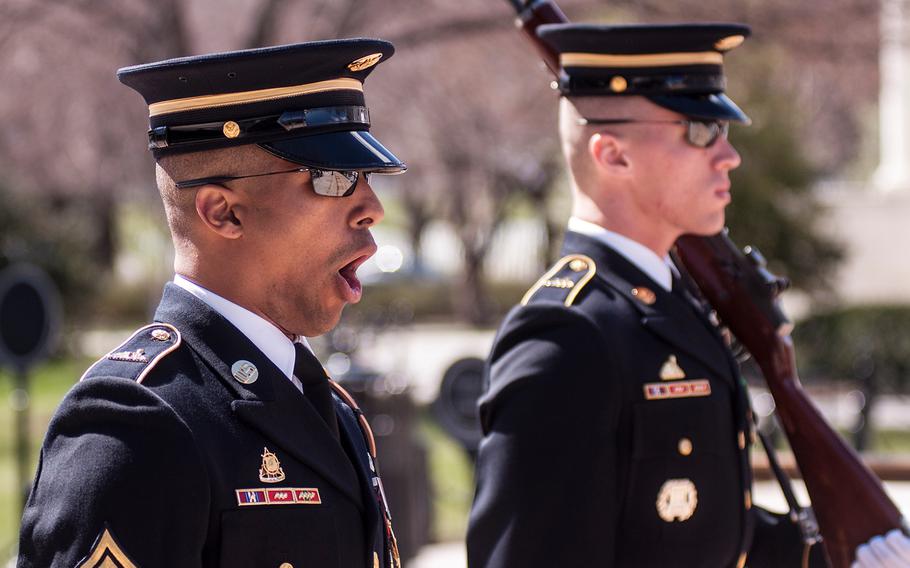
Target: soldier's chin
[{"x": 710, "y": 228}]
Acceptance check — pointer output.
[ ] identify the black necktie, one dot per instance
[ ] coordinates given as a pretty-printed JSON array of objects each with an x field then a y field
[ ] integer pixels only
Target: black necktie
[{"x": 315, "y": 386}]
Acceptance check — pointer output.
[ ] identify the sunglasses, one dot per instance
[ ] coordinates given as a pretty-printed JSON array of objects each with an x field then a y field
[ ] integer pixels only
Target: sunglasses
[
  {"x": 330, "y": 183},
  {"x": 699, "y": 133}
]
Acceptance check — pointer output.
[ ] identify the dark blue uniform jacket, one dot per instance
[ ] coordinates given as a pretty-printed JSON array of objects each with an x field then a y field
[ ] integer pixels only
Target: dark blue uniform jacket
[
  {"x": 594, "y": 453},
  {"x": 155, "y": 458}
]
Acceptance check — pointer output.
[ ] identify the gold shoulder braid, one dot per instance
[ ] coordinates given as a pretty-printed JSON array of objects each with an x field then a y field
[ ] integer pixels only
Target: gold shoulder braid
[
  {"x": 395, "y": 558},
  {"x": 569, "y": 275}
]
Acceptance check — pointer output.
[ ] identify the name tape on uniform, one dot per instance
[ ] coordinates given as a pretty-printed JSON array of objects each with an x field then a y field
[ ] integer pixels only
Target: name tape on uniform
[
  {"x": 685, "y": 389},
  {"x": 279, "y": 496}
]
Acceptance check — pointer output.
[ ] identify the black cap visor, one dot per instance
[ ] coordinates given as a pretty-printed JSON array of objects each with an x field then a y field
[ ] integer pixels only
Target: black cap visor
[
  {"x": 345, "y": 150},
  {"x": 714, "y": 106}
]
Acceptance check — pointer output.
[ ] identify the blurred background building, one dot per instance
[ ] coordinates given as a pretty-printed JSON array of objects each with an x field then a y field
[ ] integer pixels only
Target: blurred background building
[{"x": 824, "y": 192}]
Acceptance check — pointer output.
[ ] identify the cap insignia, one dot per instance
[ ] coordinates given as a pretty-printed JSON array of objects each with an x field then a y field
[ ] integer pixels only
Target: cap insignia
[
  {"x": 270, "y": 471},
  {"x": 365, "y": 62},
  {"x": 677, "y": 500},
  {"x": 729, "y": 42},
  {"x": 231, "y": 129}
]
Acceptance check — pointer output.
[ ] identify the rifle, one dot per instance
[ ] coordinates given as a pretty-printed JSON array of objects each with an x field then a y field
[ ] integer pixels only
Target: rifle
[{"x": 850, "y": 504}]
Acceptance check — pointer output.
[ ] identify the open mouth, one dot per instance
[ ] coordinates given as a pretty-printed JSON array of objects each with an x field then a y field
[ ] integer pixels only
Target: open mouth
[{"x": 352, "y": 288}]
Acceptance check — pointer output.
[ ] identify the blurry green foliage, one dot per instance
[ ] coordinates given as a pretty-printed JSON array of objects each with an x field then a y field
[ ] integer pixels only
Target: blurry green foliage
[
  {"x": 868, "y": 346},
  {"x": 773, "y": 206},
  {"x": 857, "y": 344},
  {"x": 58, "y": 235}
]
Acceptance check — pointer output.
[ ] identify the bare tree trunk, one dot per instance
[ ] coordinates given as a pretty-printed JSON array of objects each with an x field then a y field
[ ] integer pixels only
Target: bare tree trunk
[{"x": 473, "y": 301}]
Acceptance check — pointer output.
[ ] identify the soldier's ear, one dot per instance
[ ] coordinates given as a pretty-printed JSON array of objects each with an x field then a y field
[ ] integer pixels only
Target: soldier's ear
[
  {"x": 219, "y": 209},
  {"x": 608, "y": 153}
]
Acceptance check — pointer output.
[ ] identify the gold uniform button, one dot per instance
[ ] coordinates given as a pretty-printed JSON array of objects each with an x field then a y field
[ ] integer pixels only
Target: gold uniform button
[
  {"x": 160, "y": 335},
  {"x": 375, "y": 560},
  {"x": 748, "y": 500},
  {"x": 684, "y": 446},
  {"x": 742, "y": 440},
  {"x": 742, "y": 560},
  {"x": 578, "y": 265},
  {"x": 286, "y": 565},
  {"x": 618, "y": 84}
]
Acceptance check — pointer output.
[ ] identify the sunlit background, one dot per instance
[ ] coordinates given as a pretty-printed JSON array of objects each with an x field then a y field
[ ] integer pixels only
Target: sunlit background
[{"x": 824, "y": 192}]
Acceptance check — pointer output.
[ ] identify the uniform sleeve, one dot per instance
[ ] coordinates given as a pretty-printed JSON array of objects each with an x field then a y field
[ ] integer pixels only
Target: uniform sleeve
[
  {"x": 546, "y": 471},
  {"x": 119, "y": 478}
]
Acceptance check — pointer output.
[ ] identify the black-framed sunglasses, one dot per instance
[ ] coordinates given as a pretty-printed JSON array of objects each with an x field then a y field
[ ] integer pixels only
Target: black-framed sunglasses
[
  {"x": 330, "y": 183},
  {"x": 699, "y": 133}
]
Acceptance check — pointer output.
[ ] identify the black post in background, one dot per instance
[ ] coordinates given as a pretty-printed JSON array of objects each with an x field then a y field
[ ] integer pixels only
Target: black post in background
[
  {"x": 20, "y": 404},
  {"x": 30, "y": 316}
]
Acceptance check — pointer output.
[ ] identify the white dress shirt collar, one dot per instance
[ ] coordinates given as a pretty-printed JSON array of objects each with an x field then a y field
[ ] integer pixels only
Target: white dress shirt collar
[
  {"x": 273, "y": 343},
  {"x": 660, "y": 270}
]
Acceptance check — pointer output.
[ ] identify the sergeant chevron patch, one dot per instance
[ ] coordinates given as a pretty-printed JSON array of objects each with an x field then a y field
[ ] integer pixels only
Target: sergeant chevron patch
[
  {"x": 106, "y": 553},
  {"x": 685, "y": 389},
  {"x": 279, "y": 496}
]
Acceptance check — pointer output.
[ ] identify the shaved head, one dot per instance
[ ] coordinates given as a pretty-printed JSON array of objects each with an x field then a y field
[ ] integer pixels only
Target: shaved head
[
  {"x": 575, "y": 137},
  {"x": 179, "y": 204}
]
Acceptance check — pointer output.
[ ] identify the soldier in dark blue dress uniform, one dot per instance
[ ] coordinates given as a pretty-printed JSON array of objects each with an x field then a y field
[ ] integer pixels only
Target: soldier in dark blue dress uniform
[
  {"x": 617, "y": 427},
  {"x": 213, "y": 436}
]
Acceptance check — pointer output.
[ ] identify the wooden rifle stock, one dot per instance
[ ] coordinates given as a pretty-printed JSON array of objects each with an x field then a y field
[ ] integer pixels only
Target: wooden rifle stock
[{"x": 849, "y": 502}]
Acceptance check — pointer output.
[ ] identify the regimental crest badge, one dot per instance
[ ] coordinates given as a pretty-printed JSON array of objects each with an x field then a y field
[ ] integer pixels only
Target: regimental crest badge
[
  {"x": 671, "y": 371},
  {"x": 270, "y": 471}
]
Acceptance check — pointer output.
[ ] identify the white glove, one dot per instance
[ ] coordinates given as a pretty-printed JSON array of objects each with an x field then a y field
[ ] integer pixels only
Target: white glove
[{"x": 889, "y": 551}]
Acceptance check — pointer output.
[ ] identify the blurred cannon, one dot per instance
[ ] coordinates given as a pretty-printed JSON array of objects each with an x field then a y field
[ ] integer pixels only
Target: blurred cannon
[
  {"x": 30, "y": 316},
  {"x": 456, "y": 406}
]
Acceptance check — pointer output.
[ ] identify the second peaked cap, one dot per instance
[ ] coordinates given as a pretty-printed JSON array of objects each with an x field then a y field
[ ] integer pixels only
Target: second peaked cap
[{"x": 677, "y": 66}]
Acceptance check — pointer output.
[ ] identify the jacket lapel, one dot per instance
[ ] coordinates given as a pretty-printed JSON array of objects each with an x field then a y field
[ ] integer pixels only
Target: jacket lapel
[
  {"x": 271, "y": 404},
  {"x": 668, "y": 316}
]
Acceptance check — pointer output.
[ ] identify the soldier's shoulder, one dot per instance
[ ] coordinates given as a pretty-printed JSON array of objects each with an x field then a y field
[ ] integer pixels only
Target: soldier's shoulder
[
  {"x": 564, "y": 282},
  {"x": 139, "y": 355}
]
